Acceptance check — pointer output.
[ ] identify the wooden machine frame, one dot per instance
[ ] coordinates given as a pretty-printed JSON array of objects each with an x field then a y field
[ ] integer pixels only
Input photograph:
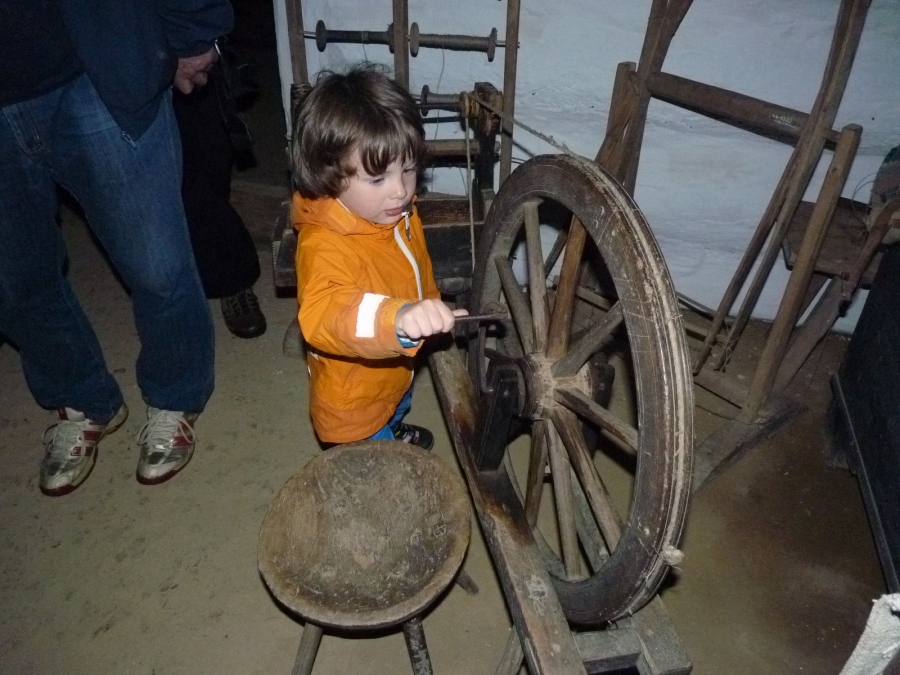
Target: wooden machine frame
[{"x": 638, "y": 635}]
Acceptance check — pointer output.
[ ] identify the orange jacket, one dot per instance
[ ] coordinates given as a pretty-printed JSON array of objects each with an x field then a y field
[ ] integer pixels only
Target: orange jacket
[{"x": 352, "y": 277}]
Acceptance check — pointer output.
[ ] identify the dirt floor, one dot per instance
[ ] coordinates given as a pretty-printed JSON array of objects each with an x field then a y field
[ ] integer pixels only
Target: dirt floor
[{"x": 779, "y": 572}]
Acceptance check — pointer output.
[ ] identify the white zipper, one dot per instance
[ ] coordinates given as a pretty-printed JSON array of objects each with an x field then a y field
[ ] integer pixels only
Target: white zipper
[{"x": 408, "y": 253}]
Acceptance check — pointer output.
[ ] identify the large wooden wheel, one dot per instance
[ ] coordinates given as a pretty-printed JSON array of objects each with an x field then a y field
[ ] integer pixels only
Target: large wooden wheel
[{"x": 596, "y": 303}]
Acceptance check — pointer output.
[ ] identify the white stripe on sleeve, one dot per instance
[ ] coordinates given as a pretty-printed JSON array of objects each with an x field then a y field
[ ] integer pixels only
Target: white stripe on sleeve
[{"x": 365, "y": 315}]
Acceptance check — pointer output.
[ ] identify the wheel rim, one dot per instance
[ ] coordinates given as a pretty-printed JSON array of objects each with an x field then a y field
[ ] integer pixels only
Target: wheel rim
[{"x": 607, "y": 560}]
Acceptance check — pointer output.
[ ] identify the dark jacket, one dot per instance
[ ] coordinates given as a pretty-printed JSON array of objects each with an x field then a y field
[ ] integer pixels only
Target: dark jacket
[{"x": 130, "y": 48}]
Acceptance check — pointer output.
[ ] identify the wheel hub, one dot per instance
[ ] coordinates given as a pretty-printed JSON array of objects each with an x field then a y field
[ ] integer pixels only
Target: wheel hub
[{"x": 539, "y": 384}]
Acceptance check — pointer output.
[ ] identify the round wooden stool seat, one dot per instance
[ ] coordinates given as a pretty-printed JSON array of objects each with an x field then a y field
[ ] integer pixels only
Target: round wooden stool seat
[{"x": 366, "y": 535}]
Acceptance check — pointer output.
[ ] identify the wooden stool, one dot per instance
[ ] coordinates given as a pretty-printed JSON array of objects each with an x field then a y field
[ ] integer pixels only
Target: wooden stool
[{"x": 365, "y": 536}]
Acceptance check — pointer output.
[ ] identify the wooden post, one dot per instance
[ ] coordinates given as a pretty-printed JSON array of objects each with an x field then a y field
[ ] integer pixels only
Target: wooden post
[
  {"x": 789, "y": 309},
  {"x": 296, "y": 41},
  {"x": 510, "y": 60},
  {"x": 401, "y": 42}
]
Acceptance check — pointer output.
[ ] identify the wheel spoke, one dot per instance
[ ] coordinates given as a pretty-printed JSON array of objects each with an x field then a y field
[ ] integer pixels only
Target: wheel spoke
[
  {"x": 537, "y": 284},
  {"x": 577, "y": 401},
  {"x": 565, "y": 510},
  {"x": 598, "y": 497},
  {"x": 564, "y": 306},
  {"x": 518, "y": 305},
  {"x": 553, "y": 256},
  {"x": 595, "y": 299},
  {"x": 578, "y": 355},
  {"x": 536, "y": 467}
]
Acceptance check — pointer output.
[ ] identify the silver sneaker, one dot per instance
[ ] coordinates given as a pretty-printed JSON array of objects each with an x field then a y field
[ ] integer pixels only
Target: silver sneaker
[
  {"x": 71, "y": 449},
  {"x": 167, "y": 444}
]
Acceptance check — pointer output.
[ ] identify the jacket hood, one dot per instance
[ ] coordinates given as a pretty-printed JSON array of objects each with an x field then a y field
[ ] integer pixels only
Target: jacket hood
[{"x": 332, "y": 214}]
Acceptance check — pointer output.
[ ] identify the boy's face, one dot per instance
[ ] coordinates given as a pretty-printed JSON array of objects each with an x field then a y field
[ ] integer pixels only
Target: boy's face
[{"x": 380, "y": 199}]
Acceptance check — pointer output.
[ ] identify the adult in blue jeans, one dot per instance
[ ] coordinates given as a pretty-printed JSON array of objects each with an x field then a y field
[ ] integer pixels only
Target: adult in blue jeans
[{"x": 85, "y": 104}]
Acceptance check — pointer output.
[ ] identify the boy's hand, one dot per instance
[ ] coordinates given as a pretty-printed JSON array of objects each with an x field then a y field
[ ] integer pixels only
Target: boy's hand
[{"x": 424, "y": 318}]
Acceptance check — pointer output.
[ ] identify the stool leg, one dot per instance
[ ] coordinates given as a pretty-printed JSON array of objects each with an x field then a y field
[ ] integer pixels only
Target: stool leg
[
  {"x": 415, "y": 645},
  {"x": 467, "y": 583},
  {"x": 309, "y": 647}
]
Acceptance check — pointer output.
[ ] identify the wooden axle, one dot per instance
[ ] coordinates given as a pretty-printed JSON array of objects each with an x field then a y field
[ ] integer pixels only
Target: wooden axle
[
  {"x": 428, "y": 101},
  {"x": 467, "y": 43},
  {"x": 323, "y": 36},
  {"x": 386, "y": 37}
]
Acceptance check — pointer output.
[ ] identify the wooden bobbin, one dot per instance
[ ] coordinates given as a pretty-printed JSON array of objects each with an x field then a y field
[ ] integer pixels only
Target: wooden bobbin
[
  {"x": 466, "y": 43},
  {"x": 429, "y": 101},
  {"x": 323, "y": 36},
  {"x": 461, "y": 103}
]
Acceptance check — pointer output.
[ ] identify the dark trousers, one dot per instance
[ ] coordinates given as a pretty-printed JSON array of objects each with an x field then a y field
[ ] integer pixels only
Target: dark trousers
[{"x": 224, "y": 250}]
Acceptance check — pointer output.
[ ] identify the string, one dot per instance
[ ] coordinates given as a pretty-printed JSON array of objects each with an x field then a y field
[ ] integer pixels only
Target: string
[{"x": 469, "y": 182}]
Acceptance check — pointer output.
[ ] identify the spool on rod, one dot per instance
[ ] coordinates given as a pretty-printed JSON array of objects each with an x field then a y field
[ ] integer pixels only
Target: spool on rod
[
  {"x": 467, "y": 43},
  {"x": 428, "y": 101},
  {"x": 323, "y": 36}
]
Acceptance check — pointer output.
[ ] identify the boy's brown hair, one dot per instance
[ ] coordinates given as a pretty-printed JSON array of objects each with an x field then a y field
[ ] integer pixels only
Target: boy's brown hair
[{"x": 363, "y": 109}]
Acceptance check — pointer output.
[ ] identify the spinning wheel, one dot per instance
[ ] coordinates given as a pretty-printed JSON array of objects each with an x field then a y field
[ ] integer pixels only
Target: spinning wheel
[{"x": 589, "y": 376}]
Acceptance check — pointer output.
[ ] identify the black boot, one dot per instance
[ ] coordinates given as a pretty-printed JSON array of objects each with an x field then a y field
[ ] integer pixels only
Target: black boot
[{"x": 242, "y": 314}]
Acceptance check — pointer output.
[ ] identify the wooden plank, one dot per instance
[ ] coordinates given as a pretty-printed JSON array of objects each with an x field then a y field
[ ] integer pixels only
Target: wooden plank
[
  {"x": 609, "y": 651},
  {"x": 449, "y": 243},
  {"x": 546, "y": 639},
  {"x": 447, "y": 149},
  {"x": 438, "y": 209},
  {"x": 662, "y": 651},
  {"x": 805, "y": 338},
  {"x": 734, "y": 438},
  {"x": 722, "y": 386},
  {"x": 842, "y": 244}
]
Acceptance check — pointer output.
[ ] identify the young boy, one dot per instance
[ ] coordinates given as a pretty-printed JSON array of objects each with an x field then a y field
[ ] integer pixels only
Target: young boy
[{"x": 365, "y": 283}]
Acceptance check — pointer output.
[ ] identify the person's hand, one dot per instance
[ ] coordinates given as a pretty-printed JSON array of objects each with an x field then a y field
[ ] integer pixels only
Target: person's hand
[
  {"x": 424, "y": 318},
  {"x": 193, "y": 70}
]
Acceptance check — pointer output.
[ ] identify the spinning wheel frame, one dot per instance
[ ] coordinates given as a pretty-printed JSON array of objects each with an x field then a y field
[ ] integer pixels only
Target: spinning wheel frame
[{"x": 555, "y": 388}]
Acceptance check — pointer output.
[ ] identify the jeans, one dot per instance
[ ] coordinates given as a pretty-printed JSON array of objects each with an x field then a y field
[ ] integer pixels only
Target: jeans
[
  {"x": 130, "y": 191},
  {"x": 386, "y": 433}
]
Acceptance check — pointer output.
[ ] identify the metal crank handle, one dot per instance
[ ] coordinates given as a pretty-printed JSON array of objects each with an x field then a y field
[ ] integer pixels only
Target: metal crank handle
[
  {"x": 481, "y": 317},
  {"x": 493, "y": 311}
]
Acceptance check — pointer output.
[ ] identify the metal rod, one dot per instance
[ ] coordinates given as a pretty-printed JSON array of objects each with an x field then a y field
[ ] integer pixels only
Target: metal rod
[
  {"x": 493, "y": 311},
  {"x": 481, "y": 317}
]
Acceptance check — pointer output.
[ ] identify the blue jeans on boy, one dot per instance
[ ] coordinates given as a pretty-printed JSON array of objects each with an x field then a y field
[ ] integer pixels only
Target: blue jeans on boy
[
  {"x": 386, "y": 433},
  {"x": 130, "y": 190}
]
